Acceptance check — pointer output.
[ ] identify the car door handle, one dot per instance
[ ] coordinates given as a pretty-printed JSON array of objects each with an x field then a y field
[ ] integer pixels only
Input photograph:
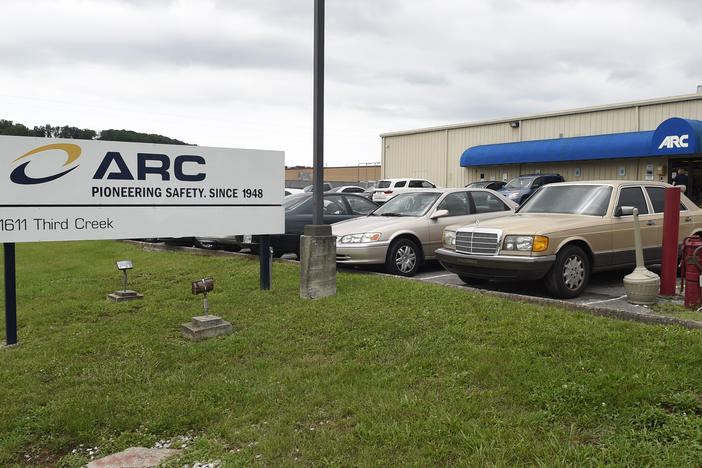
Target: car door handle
[
  {"x": 688, "y": 219},
  {"x": 650, "y": 223}
]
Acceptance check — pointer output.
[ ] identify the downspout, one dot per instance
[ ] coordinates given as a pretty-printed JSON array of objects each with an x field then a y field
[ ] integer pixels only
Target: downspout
[{"x": 446, "y": 162}]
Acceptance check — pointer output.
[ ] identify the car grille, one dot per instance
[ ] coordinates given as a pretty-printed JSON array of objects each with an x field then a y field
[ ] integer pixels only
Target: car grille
[{"x": 478, "y": 241}]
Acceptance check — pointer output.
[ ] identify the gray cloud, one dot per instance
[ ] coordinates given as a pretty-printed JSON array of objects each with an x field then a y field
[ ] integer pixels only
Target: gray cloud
[{"x": 239, "y": 73}]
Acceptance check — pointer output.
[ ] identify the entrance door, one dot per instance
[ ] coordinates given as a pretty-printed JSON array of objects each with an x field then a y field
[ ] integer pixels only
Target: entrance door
[{"x": 693, "y": 166}]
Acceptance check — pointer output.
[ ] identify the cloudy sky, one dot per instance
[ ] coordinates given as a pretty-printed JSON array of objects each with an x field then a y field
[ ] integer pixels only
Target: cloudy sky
[{"x": 238, "y": 73}]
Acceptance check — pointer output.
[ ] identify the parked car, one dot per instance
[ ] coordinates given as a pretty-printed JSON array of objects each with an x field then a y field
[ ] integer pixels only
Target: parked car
[
  {"x": 348, "y": 189},
  {"x": 290, "y": 191},
  {"x": 387, "y": 188},
  {"x": 326, "y": 186},
  {"x": 405, "y": 231},
  {"x": 368, "y": 193},
  {"x": 520, "y": 188},
  {"x": 207, "y": 243},
  {"x": 298, "y": 212},
  {"x": 488, "y": 184},
  {"x": 563, "y": 233}
]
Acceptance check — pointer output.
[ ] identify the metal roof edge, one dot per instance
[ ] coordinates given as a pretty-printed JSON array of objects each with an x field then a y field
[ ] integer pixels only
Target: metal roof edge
[{"x": 579, "y": 110}]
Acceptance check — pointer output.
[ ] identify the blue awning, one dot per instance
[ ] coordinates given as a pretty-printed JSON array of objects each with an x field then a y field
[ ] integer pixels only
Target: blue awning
[{"x": 673, "y": 136}]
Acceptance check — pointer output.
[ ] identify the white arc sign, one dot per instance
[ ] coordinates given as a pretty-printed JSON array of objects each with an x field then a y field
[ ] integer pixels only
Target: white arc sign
[{"x": 58, "y": 189}]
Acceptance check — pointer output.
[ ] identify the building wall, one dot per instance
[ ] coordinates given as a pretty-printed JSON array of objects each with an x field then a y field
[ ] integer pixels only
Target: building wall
[
  {"x": 352, "y": 175},
  {"x": 434, "y": 153},
  {"x": 419, "y": 155}
]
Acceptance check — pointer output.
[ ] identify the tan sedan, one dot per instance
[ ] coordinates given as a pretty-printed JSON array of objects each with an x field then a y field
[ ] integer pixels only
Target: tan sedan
[
  {"x": 406, "y": 230},
  {"x": 564, "y": 232}
]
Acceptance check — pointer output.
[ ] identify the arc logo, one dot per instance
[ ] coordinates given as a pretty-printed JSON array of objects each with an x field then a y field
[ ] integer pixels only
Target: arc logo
[
  {"x": 674, "y": 141},
  {"x": 19, "y": 174}
]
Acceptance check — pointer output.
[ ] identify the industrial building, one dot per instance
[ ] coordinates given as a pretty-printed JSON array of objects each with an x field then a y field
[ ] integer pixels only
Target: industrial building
[
  {"x": 641, "y": 140},
  {"x": 363, "y": 174}
]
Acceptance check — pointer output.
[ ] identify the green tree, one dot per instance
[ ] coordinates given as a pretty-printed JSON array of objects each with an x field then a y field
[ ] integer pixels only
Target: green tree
[
  {"x": 16, "y": 129},
  {"x": 4, "y": 124},
  {"x": 129, "y": 135},
  {"x": 76, "y": 133}
]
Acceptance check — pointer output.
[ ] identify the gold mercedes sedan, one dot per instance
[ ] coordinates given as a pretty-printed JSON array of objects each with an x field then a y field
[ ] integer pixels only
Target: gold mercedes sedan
[
  {"x": 406, "y": 230},
  {"x": 564, "y": 232}
]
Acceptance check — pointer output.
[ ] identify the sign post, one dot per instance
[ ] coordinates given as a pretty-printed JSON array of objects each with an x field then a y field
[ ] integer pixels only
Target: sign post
[{"x": 10, "y": 294}]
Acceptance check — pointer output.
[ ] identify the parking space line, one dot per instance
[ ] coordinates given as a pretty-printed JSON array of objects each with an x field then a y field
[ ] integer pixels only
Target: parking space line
[
  {"x": 605, "y": 300},
  {"x": 437, "y": 276}
]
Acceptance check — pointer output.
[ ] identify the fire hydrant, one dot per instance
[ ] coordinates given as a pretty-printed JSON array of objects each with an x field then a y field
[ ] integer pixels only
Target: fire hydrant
[{"x": 690, "y": 271}]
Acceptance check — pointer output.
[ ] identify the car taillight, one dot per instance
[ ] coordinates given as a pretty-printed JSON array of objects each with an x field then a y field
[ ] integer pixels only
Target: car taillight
[{"x": 387, "y": 192}]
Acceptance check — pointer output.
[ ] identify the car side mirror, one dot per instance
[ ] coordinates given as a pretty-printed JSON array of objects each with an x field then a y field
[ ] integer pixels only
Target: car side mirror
[
  {"x": 624, "y": 211},
  {"x": 439, "y": 214}
]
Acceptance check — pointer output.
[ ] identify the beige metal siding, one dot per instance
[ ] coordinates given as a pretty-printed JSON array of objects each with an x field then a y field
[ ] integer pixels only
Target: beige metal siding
[
  {"x": 652, "y": 116},
  {"x": 420, "y": 155},
  {"x": 591, "y": 123}
]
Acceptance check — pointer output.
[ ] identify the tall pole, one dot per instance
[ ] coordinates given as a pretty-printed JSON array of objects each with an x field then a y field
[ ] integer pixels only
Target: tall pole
[
  {"x": 671, "y": 231},
  {"x": 318, "y": 119}
]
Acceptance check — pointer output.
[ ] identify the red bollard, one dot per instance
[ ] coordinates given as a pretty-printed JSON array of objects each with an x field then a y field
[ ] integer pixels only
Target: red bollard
[
  {"x": 671, "y": 230},
  {"x": 691, "y": 270}
]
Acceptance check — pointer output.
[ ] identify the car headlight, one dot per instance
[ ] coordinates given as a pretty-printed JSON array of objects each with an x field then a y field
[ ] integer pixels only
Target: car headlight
[
  {"x": 360, "y": 238},
  {"x": 525, "y": 243},
  {"x": 448, "y": 239},
  {"x": 513, "y": 196}
]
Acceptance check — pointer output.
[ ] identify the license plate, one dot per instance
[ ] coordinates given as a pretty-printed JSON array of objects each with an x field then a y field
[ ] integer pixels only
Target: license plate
[{"x": 247, "y": 239}]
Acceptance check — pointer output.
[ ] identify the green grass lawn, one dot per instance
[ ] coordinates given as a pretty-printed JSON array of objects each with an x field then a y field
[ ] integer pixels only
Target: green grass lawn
[{"x": 385, "y": 373}]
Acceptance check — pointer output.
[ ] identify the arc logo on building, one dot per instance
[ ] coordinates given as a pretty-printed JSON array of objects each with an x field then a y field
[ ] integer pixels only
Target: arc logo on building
[
  {"x": 53, "y": 189},
  {"x": 674, "y": 141}
]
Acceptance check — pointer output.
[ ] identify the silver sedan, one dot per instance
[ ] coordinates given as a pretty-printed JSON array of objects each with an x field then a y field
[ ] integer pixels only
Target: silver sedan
[{"x": 406, "y": 231}]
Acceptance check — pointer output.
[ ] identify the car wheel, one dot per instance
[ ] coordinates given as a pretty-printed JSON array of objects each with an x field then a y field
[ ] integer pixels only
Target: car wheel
[
  {"x": 205, "y": 244},
  {"x": 277, "y": 253},
  {"x": 471, "y": 280},
  {"x": 403, "y": 258},
  {"x": 231, "y": 247},
  {"x": 570, "y": 273}
]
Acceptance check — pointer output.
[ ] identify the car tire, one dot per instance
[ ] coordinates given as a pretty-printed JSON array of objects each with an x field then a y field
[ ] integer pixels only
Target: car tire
[
  {"x": 207, "y": 245},
  {"x": 403, "y": 258},
  {"x": 231, "y": 247},
  {"x": 277, "y": 253},
  {"x": 569, "y": 275},
  {"x": 471, "y": 280}
]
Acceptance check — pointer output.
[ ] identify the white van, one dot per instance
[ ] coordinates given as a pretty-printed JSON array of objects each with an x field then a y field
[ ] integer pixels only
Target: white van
[{"x": 387, "y": 188}]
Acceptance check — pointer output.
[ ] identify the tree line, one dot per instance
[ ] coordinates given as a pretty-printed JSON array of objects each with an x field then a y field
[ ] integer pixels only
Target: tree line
[{"x": 7, "y": 127}]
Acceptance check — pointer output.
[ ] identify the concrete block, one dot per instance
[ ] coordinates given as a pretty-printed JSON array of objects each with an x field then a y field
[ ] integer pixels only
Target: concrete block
[
  {"x": 206, "y": 326},
  {"x": 134, "y": 457},
  {"x": 317, "y": 265},
  {"x": 121, "y": 296}
]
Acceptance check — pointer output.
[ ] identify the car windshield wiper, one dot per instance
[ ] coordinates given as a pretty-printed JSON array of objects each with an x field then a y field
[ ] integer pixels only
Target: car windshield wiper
[{"x": 391, "y": 214}]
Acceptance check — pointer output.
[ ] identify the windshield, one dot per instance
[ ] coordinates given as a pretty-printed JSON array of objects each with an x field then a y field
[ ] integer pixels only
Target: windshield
[
  {"x": 294, "y": 200},
  {"x": 519, "y": 183},
  {"x": 570, "y": 199},
  {"x": 408, "y": 204}
]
